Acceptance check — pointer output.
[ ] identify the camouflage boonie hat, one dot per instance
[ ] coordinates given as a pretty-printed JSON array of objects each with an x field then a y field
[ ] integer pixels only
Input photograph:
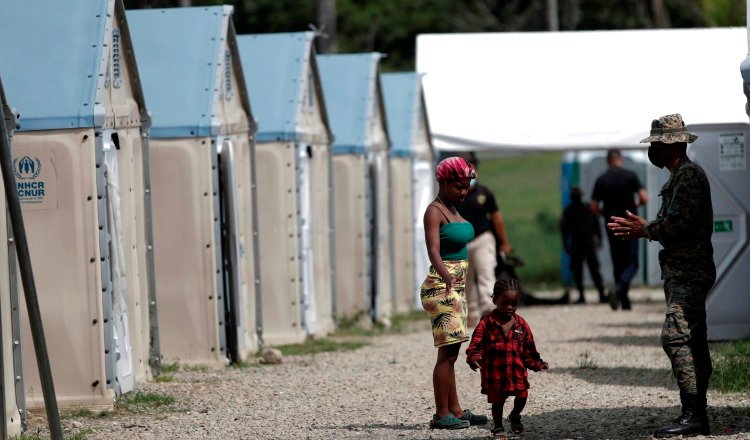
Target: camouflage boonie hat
[{"x": 669, "y": 129}]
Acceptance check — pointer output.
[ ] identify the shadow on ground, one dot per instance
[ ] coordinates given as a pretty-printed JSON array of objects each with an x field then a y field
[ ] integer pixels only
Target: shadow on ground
[
  {"x": 625, "y": 423},
  {"x": 641, "y": 341},
  {"x": 403, "y": 430},
  {"x": 634, "y": 325},
  {"x": 629, "y": 376},
  {"x": 593, "y": 423}
]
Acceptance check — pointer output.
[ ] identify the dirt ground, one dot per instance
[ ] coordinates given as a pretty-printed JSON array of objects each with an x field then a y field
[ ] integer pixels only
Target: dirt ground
[{"x": 608, "y": 379}]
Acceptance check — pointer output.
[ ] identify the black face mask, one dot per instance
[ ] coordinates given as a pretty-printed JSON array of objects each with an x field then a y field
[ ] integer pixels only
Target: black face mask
[{"x": 657, "y": 156}]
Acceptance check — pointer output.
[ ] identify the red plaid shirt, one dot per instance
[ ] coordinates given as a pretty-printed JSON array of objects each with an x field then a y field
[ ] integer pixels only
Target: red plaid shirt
[{"x": 503, "y": 360}]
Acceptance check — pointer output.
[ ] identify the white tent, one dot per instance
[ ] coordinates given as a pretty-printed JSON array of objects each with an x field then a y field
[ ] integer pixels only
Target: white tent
[{"x": 576, "y": 90}]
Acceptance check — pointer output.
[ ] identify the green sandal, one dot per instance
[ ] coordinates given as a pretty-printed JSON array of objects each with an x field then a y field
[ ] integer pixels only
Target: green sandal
[
  {"x": 448, "y": 422},
  {"x": 474, "y": 419}
]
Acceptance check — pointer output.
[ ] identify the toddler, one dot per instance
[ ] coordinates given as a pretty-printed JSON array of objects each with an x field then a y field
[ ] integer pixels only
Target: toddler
[{"x": 502, "y": 347}]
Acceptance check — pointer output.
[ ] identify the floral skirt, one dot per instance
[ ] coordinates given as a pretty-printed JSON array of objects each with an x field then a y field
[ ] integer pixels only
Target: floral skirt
[{"x": 447, "y": 310}]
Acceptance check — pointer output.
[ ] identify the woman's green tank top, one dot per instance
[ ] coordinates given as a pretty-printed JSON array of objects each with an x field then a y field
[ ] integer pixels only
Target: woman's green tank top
[{"x": 453, "y": 239}]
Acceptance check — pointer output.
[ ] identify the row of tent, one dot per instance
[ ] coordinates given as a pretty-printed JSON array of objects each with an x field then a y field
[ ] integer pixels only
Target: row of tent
[{"x": 191, "y": 195}]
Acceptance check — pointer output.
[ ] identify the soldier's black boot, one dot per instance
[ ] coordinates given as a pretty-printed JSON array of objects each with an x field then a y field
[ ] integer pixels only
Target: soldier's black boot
[
  {"x": 614, "y": 301},
  {"x": 693, "y": 419},
  {"x": 602, "y": 295}
]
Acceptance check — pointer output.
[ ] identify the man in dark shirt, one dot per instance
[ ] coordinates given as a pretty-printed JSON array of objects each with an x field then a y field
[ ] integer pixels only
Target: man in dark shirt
[
  {"x": 683, "y": 225},
  {"x": 581, "y": 237},
  {"x": 481, "y": 210},
  {"x": 617, "y": 190}
]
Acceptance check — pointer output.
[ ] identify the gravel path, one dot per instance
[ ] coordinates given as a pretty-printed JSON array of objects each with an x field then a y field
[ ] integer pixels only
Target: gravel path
[{"x": 608, "y": 379}]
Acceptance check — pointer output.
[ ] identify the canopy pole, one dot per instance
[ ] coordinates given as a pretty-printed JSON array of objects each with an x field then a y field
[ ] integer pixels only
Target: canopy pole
[
  {"x": 553, "y": 22},
  {"x": 27, "y": 279}
]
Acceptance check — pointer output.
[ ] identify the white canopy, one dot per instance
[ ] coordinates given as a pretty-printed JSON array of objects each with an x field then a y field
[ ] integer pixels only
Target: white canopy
[{"x": 576, "y": 90}]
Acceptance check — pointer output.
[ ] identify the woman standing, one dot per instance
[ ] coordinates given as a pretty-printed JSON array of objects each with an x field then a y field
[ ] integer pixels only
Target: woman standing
[{"x": 443, "y": 297}]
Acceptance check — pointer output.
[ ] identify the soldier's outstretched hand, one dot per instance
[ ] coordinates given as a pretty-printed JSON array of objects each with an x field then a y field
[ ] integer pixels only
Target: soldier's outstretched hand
[{"x": 628, "y": 227}]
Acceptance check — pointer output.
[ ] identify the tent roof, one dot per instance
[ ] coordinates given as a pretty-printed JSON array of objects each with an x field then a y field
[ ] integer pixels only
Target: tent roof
[
  {"x": 350, "y": 88},
  {"x": 179, "y": 53},
  {"x": 51, "y": 61},
  {"x": 275, "y": 66},
  {"x": 576, "y": 90},
  {"x": 402, "y": 94}
]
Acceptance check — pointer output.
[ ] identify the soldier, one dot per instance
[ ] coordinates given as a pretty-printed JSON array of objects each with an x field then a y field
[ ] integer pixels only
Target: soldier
[
  {"x": 581, "y": 237},
  {"x": 683, "y": 226}
]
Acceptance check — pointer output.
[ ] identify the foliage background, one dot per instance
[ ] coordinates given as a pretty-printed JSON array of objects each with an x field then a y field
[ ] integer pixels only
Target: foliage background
[{"x": 390, "y": 26}]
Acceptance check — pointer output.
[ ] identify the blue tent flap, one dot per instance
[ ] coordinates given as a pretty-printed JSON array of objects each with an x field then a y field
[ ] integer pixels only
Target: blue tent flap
[
  {"x": 273, "y": 65},
  {"x": 177, "y": 51},
  {"x": 402, "y": 93},
  {"x": 350, "y": 88},
  {"x": 52, "y": 60}
]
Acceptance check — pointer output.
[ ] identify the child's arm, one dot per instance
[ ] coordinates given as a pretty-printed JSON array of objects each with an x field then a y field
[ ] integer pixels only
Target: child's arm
[
  {"x": 474, "y": 350},
  {"x": 531, "y": 358}
]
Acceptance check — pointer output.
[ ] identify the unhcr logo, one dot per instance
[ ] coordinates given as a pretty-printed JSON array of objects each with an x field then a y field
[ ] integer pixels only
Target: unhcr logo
[{"x": 27, "y": 168}]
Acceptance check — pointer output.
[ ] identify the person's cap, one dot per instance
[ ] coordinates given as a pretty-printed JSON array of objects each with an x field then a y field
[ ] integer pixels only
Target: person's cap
[
  {"x": 669, "y": 129},
  {"x": 453, "y": 168}
]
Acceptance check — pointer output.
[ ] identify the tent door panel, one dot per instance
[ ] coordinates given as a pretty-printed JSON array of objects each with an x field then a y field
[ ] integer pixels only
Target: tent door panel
[
  {"x": 279, "y": 243},
  {"x": 231, "y": 255},
  {"x": 403, "y": 234},
  {"x": 12, "y": 376},
  {"x": 352, "y": 232},
  {"x": 118, "y": 221},
  {"x": 382, "y": 246},
  {"x": 62, "y": 224},
  {"x": 305, "y": 224},
  {"x": 321, "y": 237},
  {"x": 247, "y": 273},
  {"x": 184, "y": 229},
  {"x": 138, "y": 255}
]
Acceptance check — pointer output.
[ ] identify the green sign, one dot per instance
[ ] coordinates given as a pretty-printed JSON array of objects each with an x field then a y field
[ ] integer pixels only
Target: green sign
[{"x": 722, "y": 225}]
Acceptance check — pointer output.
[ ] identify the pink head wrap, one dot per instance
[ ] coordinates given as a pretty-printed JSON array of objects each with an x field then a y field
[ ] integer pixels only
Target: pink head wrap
[{"x": 453, "y": 168}]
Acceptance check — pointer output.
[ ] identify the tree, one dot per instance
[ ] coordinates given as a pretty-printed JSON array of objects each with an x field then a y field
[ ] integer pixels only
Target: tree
[{"x": 391, "y": 26}]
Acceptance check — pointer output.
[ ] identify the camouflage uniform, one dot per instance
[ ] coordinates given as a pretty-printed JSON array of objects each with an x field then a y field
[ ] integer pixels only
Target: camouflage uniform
[{"x": 684, "y": 226}]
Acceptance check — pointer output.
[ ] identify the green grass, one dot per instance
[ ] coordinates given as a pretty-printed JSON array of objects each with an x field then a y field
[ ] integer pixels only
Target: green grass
[
  {"x": 142, "y": 401},
  {"x": 349, "y": 335},
  {"x": 527, "y": 188},
  {"x": 399, "y": 324},
  {"x": 246, "y": 365},
  {"x": 82, "y": 435},
  {"x": 194, "y": 368},
  {"x": 85, "y": 413},
  {"x": 27, "y": 437},
  {"x": 170, "y": 367},
  {"x": 400, "y": 321},
  {"x": 322, "y": 345},
  {"x": 174, "y": 367},
  {"x": 731, "y": 361},
  {"x": 163, "y": 378}
]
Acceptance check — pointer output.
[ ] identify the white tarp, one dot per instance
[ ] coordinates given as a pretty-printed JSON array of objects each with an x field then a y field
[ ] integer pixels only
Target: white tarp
[{"x": 576, "y": 90}]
